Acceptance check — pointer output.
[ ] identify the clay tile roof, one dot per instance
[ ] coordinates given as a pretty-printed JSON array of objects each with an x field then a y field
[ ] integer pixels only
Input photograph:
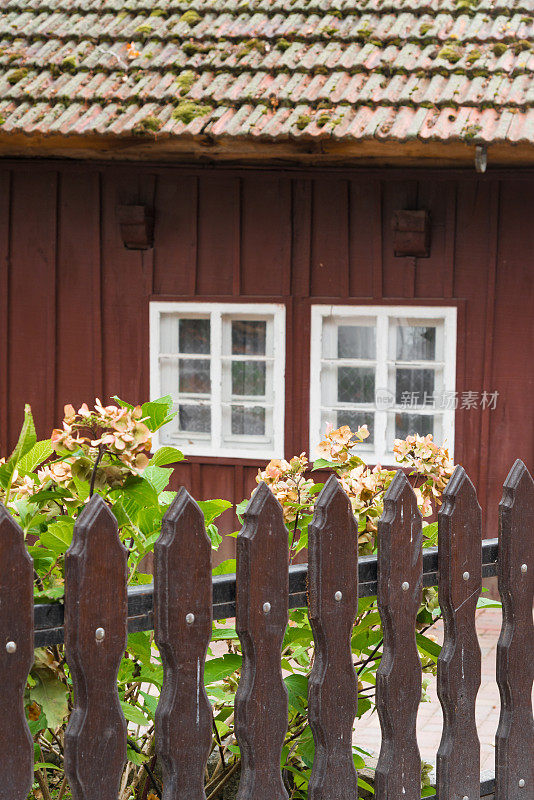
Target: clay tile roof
[{"x": 394, "y": 70}]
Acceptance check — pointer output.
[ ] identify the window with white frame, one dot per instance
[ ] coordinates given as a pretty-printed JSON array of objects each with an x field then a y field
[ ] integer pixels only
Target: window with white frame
[
  {"x": 223, "y": 364},
  {"x": 388, "y": 367}
]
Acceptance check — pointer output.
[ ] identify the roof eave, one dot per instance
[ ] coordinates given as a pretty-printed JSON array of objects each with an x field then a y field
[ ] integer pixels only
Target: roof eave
[{"x": 254, "y": 150}]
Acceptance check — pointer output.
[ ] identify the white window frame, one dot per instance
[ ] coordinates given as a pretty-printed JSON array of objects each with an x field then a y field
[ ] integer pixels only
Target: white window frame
[
  {"x": 243, "y": 447},
  {"x": 385, "y": 366}
]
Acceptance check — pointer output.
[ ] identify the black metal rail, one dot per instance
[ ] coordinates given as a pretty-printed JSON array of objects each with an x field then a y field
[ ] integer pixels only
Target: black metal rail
[{"x": 49, "y": 617}]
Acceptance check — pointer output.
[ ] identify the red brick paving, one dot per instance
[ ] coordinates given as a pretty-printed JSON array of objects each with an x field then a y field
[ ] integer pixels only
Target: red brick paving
[{"x": 429, "y": 723}]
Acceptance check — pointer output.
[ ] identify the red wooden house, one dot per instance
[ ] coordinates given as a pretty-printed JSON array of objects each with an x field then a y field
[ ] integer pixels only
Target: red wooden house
[{"x": 281, "y": 212}]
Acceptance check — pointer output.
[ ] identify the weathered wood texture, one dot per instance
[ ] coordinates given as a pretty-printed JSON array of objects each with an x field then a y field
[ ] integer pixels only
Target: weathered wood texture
[
  {"x": 333, "y": 605},
  {"x": 80, "y": 299},
  {"x": 399, "y": 677},
  {"x": 459, "y": 663},
  {"x": 261, "y": 703},
  {"x": 182, "y": 625},
  {"x": 96, "y": 610},
  {"x": 514, "y": 762},
  {"x": 16, "y": 658}
]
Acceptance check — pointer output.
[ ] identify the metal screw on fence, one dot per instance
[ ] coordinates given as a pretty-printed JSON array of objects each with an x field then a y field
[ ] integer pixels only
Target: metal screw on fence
[
  {"x": 338, "y": 596},
  {"x": 465, "y": 797},
  {"x": 11, "y": 647},
  {"x": 521, "y": 783},
  {"x": 100, "y": 634},
  {"x": 405, "y": 586},
  {"x": 466, "y": 576},
  {"x": 266, "y": 608},
  {"x": 189, "y": 618},
  {"x": 524, "y": 568}
]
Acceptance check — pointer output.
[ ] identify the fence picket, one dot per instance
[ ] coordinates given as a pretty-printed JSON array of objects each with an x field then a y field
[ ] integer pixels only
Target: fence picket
[
  {"x": 16, "y": 659},
  {"x": 514, "y": 762},
  {"x": 261, "y": 703},
  {"x": 399, "y": 677},
  {"x": 459, "y": 663},
  {"x": 333, "y": 605},
  {"x": 96, "y": 609},
  {"x": 183, "y": 625}
]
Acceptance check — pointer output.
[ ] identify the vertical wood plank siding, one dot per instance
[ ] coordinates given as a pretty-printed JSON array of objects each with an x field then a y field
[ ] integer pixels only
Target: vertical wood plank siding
[{"x": 74, "y": 301}]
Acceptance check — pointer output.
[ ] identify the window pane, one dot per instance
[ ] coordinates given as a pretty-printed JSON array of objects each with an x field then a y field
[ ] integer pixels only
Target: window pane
[
  {"x": 195, "y": 419},
  {"x": 248, "y": 421},
  {"x": 416, "y": 343},
  {"x": 249, "y": 337},
  {"x": 356, "y": 341},
  {"x": 194, "y": 376},
  {"x": 194, "y": 336},
  {"x": 355, "y": 419},
  {"x": 355, "y": 385},
  {"x": 408, "y": 424},
  {"x": 414, "y": 386},
  {"x": 248, "y": 378}
]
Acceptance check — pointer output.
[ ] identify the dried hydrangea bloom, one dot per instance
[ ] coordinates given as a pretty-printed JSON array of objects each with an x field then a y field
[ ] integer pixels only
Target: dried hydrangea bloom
[
  {"x": 120, "y": 433},
  {"x": 337, "y": 444}
]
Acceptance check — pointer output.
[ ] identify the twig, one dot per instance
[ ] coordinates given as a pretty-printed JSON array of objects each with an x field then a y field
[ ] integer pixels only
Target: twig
[
  {"x": 219, "y": 743},
  {"x": 43, "y": 784},
  {"x": 149, "y": 772},
  {"x": 93, "y": 474},
  {"x": 62, "y": 789},
  {"x": 223, "y": 781}
]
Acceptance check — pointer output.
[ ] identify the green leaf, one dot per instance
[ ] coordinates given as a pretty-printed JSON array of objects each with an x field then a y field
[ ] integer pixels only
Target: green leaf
[
  {"x": 122, "y": 403},
  {"x": 214, "y": 535},
  {"x": 364, "y": 785},
  {"x": 297, "y": 688},
  {"x": 158, "y": 412},
  {"x": 58, "y": 536},
  {"x": 322, "y": 463},
  {"x": 217, "y": 669},
  {"x": 45, "y": 765},
  {"x": 213, "y": 509},
  {"x": 136, "y": 758},
  {"x": 133, "y": 714},
  {"x": 166, "y": 498},
  {"x": 166, "y": 455},
  {"x": 38, "y": 453},
  {"x": 52, "y": 695},
  {"x": 140, "y": 491},
  {"x": 223, "y": 634},
  {"x": 429, "y": 647},
  {"x": 49, "y": 595},
  {"x": 27, "y": 437},
  {"x": 225, "y": 567},
  {"x": 158, "y": 477},
  {"x": 487, "y": 602}
]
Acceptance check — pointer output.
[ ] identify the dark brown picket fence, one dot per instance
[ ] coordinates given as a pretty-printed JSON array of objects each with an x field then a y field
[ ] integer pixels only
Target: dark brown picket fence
[{"x": 99, "y": 611}]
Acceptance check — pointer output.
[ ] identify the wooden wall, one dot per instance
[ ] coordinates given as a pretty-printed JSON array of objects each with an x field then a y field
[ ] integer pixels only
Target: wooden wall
[{"x": 74, "y": 301}]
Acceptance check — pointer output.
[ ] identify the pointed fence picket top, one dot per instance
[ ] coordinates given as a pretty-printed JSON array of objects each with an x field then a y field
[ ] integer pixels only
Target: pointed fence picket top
[
  {"x": 183, "y": 626},
  {"x": 399, "y": 675},
  {"x": 16, "y": 659},
  {"x": 514, "y": 760},
  {"x": 459, "y": 663},
  {"x": 333, "y": 606},
  {"x": 262, "y": 596},
  {"x": 96, "y": 610}
]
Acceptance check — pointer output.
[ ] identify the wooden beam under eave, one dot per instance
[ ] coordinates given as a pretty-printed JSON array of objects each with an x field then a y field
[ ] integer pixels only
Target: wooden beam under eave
[{"x": 297, "y": 151}]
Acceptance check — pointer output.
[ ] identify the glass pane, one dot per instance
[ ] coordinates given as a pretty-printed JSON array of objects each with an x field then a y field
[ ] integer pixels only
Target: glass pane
[
  {"x": 356, "y": 341},
  {"x": 195, "y": 419},
  {"x": 194, "y": 376},
  {"x": 248, "y": 378},
  {"x": 355, "y": 419},
  {"x": 249, "y": 337},
  {"x": 355, "y": 385},
  {"x": 408, "y": 424},
  {"x": 416, "y": 343},
  {"x": 248, "y": 421},
  {"x": 414, "y": 387},
  {"x": 194, "y": 336}
]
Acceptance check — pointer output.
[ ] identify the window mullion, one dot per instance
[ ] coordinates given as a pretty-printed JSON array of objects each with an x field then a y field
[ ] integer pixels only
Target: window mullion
[
  {"x": 216, "y": 380},
  {"x": 381, "y": 419}
]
